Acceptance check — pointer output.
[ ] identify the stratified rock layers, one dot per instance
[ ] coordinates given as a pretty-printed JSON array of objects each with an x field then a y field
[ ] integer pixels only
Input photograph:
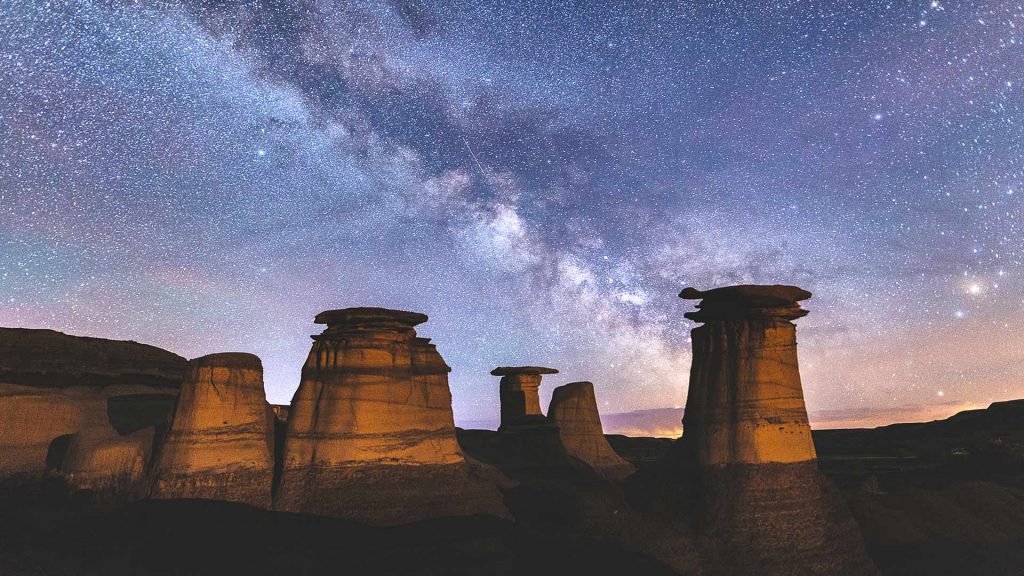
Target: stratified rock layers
[
  {"x": 764, "y": 508},
  {"x": 370, "y": 433},
  {"x": 220, "y": 444},
  {"x": 573, "y": 409},
  {"x": 100, "y": 459}
]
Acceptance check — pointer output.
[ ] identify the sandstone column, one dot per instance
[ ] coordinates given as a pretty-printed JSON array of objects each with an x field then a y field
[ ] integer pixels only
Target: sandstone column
[
  {"x": 520, "y": 401},
  {"x": 746, "y": 403},
  {"x": 370, "y": 433},
  {"x": 763, "y": 506},
  {"x": 220, "y": 443},
  {"x": 573, "y": 409}
]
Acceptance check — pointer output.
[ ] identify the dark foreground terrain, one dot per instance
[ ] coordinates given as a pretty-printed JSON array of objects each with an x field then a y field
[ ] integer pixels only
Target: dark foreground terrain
[
  {"x": 44, "y": 530},
  {"x": 943, "y": 497}
]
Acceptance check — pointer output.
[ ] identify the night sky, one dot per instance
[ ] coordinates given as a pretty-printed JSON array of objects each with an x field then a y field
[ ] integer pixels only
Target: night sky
[{"x": 540, "y": 179}]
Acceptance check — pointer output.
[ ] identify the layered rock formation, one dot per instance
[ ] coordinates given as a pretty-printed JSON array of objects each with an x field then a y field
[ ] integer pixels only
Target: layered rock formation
[
  {"x": 370, "y": 432},
  {"x": 763, "y": 507},
  {"x": 520, "y": 400},
  {"x": 31, "y": 420},
  {"x": 573, "y": 409},
  {"x": 221, "y": 440}
]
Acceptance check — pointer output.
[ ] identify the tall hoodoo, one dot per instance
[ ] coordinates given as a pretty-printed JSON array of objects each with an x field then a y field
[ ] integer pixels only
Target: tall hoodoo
[
  {"x": 764, "y": 508},
  {"x": 370, "y": 432},
  {"x": 573, "y": 409},
  {"x": 220, "y": 444},
  {"x": 746, "y": 403},
  {"x": 520, "y": 400}
]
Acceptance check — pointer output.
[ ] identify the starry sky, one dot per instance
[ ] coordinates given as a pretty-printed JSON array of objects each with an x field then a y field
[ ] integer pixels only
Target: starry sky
[{"x": 540, "y": 178}]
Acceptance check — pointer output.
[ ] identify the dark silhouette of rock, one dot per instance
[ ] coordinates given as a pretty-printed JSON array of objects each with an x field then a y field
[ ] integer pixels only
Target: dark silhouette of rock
[
  {"x": 520, "y": 401},
  {"x": 573, "y": 409},
  {"x": 762, "y": 505},
  {"x": 221, "y": 440},
  {"x": 370, "y": 432},
  {"x": 51, "y": 359}
]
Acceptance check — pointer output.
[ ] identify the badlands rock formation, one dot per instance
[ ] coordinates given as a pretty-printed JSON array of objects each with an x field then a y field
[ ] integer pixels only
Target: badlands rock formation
[
  {"x": 220, "y": 444},
  {"x": 763, "y": 506},
  {"x": 370, "y": 433},
  {"x": 54, "y": 386},
  {"x": 573, "y": 409},
  {"x": 520, "y": 401}
]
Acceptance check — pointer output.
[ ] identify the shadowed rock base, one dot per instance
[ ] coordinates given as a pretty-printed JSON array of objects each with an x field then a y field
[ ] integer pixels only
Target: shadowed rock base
[
  {"x": 388, "y": 495},
  {"x": 246, "y": 485},
  {"x": 776, "y": 519}
]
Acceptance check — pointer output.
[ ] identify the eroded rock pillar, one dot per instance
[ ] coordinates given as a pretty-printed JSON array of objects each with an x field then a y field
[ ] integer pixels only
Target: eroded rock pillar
[
  {"x": 573, "y": 409},
  {"x": 763, "y": 506},
  {"x": 370, "y": 433},
  {"x": 520, "y": 399},
  {"x": 746, "y": 402},
  {"x": 220, "y": 443}
]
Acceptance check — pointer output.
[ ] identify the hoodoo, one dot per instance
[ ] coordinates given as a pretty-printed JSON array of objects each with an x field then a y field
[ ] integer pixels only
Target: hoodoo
[
  {"x": 746, "y": 403},
  {"x": 370, "y": 433},
  {"x": 573, "y": 409},
  {"x": 520, "y": 401},
  {"x": 220, "y": 444},
  {"x": 764, "y": 507}
]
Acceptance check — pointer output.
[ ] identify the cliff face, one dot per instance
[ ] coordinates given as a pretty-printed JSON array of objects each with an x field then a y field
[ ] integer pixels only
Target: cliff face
[
  {"x": 221, "y": 440},
  {"x": 74, "y": 405},
  {"x": 51, "y": 359},
  {"x": 370, "y": 432}
]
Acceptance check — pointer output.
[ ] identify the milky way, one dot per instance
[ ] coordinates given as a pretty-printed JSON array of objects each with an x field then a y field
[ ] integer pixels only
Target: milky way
[{"x": 540, "y": 179}]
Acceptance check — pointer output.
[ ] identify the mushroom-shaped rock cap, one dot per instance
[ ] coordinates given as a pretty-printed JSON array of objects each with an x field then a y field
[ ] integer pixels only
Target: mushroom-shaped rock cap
[
  {"x": 747, "y": 301},
  {"x": 512, "y": 370},
  {"x": 369, "y": 316},
  {"x": 229, "y": 360}
]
